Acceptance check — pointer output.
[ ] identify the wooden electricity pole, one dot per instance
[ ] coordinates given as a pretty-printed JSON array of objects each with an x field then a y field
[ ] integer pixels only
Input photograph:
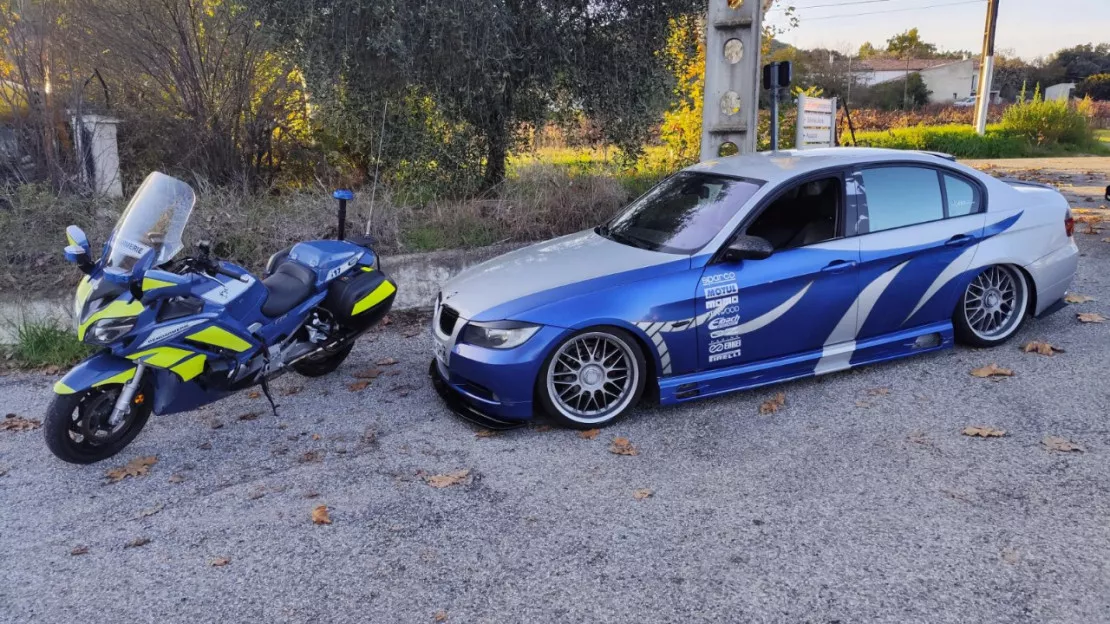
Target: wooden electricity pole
[{"x": 986, "y": 69}]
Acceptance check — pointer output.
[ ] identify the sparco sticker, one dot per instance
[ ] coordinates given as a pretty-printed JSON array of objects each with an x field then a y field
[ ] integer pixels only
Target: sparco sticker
[{"x": 709, "y": 280}]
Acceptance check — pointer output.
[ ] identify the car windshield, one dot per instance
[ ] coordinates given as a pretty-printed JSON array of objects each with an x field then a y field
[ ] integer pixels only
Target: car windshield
[
  {"x": 154, "y": 219},
  {"x": 681, "y": 214}
]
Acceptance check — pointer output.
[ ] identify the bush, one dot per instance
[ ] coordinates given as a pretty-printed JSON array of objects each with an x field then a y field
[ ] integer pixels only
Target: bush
[
  {"x": 1096, "y": 87},
  {"x": 1046, "y": 123},
  {"x": 957, "y": 140},
  {"x": 46, "y": 343}
]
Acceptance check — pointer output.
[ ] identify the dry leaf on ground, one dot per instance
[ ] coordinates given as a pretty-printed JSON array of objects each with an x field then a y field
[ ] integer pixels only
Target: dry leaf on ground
[
  {"x": 485, "y": 433},
  {"x": 79, "y": 550},
  {"x": 176, "y": 478},
  {"x": 137, "y": 542},
  {"x": 643, "y": 493},
  {"x": 983, "y": 432},
  {"x": 992, "y": 370},
  {"x": 879, "y": 391},
  {"x": 249, "y": 416},
  {"x": 135, "y": 468},
  {"x": 622, "y": 446},
  {"x": 440, "y": 616},
  {"x": 448, "y": 479},
  {"x": 370, "y": 373},
  {"x": 149, "y": 511},
  {"x": 254, "y": 394},
  {"x": 1090, "y": 317},
  {"x": 1064, "y": 445},
  {"x": 12, "y": 422},
  {"x": 589, "y": 434},
  {"x": 219, "y": 562},
  {"x": 320, "y": 515},
  {"x": 1039, "y": 346},
  {"x": 386, "y": 361},
  {"x": 358, "y": 385},
  {"x": 541, "y": 428},
  {"x": 773, "y": 404},
  {"x": 1077, "y": 298},
  {"x": 291, "y": 390}
]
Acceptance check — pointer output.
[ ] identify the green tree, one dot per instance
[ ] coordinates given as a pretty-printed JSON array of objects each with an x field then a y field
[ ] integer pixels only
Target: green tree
[
  {"x": 909, "y": 45},
  {"x": 1096, "y": 86}
]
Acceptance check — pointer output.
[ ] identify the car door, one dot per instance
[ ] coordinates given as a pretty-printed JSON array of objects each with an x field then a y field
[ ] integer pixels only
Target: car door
[
  {"x": 919, "y": 226},
  {"x": 795, "y": 301}
]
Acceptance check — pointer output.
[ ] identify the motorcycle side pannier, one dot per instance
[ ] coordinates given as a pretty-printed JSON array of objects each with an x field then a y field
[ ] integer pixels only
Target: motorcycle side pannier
[{"x": 360, "y": 297}]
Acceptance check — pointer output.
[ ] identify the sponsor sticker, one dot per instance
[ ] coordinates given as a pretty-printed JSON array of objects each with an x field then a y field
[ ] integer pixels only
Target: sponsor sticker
[
  {"x": 721, "y": 357},
  {"x": 722, "y": 322},
  {"x": 723, "y": 333},
  {"x": 712, "y": 292},
  {"x": 711, "y": 304},
  {"x": 724, "y": 345},
  {"x": 727, "y": 276}
]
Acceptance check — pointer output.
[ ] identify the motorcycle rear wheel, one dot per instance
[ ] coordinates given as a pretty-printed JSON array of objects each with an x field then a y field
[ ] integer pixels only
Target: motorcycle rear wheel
[
  {"x": 76, "y": 425},
  {"x": 323, "y": 364}
]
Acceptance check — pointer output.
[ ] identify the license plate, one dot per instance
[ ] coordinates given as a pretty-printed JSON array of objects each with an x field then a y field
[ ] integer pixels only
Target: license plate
[{"x": 441, "y": 352}]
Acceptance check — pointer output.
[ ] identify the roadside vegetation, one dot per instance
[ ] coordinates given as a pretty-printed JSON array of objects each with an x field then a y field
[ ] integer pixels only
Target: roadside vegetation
[{"x": 44, "y": 343}]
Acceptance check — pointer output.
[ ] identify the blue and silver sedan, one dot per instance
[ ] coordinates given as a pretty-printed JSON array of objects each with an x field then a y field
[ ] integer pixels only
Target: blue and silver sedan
[{"x": 747, "y": 271}]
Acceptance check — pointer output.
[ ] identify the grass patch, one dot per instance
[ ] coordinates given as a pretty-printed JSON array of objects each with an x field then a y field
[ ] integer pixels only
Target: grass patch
[
  {"x": 46, "y": 343},
  {"x": 962, "y": 142}
]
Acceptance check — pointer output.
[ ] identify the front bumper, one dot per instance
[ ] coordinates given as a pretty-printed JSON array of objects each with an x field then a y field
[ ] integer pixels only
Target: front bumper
[{"x": 456, "y": 400}]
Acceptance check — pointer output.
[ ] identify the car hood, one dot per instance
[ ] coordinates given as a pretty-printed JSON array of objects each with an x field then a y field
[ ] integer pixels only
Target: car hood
[{"x": 538, "y": 274}]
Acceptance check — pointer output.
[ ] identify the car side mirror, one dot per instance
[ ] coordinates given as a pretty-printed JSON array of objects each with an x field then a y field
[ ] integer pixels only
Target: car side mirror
[{"x": 746, "y": 247}]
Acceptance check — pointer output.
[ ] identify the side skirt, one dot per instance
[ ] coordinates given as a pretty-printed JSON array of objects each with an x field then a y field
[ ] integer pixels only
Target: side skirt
[{"x": 818, "y": 362}]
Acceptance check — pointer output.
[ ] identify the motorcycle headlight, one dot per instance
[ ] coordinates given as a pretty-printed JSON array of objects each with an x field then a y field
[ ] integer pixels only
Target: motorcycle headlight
[
  {"x": 106, "y": 331},
  {"x": 499, "y": 334}
]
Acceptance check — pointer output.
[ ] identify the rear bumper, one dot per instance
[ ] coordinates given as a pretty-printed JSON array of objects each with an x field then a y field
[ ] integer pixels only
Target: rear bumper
[{"x": 1052, "y": 276}]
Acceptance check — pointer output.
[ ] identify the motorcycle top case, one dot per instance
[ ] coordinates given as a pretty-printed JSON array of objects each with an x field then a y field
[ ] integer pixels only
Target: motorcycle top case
[{"x": 360, "y": 296}]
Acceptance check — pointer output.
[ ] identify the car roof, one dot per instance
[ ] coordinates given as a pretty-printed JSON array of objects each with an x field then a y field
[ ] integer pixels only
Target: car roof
[{"x": 782, "y": 165}]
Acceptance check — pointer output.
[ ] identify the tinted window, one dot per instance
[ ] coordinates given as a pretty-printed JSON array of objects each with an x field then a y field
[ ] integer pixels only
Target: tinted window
[
  {"x": 898, "y": 196},
  {"x": 681, "y": 214},
  {"x": 962, "y": 198}
]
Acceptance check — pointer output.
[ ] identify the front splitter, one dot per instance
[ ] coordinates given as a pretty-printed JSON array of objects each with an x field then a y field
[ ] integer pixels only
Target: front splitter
[{"x": 465, "y": 410}]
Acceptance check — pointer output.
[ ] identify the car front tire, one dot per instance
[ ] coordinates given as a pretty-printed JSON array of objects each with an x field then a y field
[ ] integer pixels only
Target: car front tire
[
  {"x": 592, "y": 378},
  {"x": 993, "y": 306}
]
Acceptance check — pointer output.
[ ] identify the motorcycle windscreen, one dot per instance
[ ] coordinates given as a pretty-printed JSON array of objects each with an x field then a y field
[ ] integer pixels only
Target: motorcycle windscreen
[{"x": 154, "y": 219}]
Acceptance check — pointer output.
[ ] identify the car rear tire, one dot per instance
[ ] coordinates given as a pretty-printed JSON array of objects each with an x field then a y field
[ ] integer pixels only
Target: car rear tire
[
  {"x": 992, "y": 307},
  {"x": 592, "y": 378}
]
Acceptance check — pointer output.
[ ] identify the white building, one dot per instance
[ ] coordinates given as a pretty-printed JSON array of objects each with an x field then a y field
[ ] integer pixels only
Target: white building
[{"x": 949, "y": 80}]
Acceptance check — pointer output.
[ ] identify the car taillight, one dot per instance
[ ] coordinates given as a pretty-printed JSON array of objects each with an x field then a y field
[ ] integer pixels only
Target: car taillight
[{"x": 1069, "y": 223}]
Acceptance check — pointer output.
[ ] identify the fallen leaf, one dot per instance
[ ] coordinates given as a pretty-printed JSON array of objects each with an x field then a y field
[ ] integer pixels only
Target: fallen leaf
[
  {"x": 413, "y": 332},
  {"x": 1038, "y": 346},
  {"x": 386, "y": 361},
  {"x": 219, "y": 562},
  {"x": 774, "y": 404},
  {"x": 135, "y": 468},
  {"x": 205, "y": 446},
  {"x": 149, "y": 511},
  {"x": 983, "y": 432},
  {"x": 311, "y": 456},
  {"x": 1064, "y": 445},
  {"x": 643, "y": 493},
  {"x": 291, "y": 390},
  {"x": 439, "y": 616},
  {"x": 1090, "y": 317},
  {"x": 878, "y": 391},
  {"x": 1077, "y": 298},
  {"x": 485, "y": 433},
  {"x": 315, "y": 436},
  {"x": 79, "y": 550},
  {"x": 137, "y": 542},
  {"x": 249, "y": 416},
  {"x": 992, "y": 370},
  {"x": 448, "y": 479},
  {"x": 215, "y": 424},
  {"x": 12, "y": 422},
  {"x": 176, "y": 478},
  {"x": 385, "y": 321},
  {"x": 320, "y": 515},
  {"x": 254, "y": 394},
  {"x": 370, "y": 373},
  {"x": 311, "y": 494},
  {"x": 541, "y": 428},
  {"x": 622, "y": 446},
  {"x": 1010, "y": 555},
  {"x": 358, "y": 385},
  {"x": 1106, "y": 240},
  {"x": 256, "y": 493},
  {"x": 589, "y": 434},
  {"x": 862, "y": 404}
]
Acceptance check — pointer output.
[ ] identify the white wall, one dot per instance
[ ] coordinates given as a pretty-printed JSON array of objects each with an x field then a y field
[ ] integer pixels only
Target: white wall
[{"x": 950, "y": 82}]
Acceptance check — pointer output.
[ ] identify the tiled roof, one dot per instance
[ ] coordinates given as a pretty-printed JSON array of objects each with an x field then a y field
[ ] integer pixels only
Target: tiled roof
[{"x": 893, "y": 64}]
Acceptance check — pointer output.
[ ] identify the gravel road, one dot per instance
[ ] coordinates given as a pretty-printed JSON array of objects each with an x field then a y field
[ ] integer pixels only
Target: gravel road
[{"x": 858, "y": 501}]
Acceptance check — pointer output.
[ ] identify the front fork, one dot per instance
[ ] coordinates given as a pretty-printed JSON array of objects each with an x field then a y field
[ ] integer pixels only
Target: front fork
[{"x": 126, "y": 394}]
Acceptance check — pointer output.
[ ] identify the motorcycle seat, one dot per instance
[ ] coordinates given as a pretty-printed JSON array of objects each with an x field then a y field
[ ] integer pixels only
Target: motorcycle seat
[{"x": 289, "y": 285}]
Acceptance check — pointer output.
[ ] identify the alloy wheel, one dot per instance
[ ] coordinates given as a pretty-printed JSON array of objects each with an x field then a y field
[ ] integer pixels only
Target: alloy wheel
[
  {"x": 994, "y": 302},
  {"x": 592, "y": 377}
]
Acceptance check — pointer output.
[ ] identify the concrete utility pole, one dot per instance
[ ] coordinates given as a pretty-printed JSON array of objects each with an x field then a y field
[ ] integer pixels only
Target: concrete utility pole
[
  {"x": 986, "y": 69},
  {"x": 731, "y": 99}
]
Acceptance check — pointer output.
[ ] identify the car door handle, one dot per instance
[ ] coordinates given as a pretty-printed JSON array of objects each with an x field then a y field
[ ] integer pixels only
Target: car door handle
[
  {"x": 836, "y": 266},
  {"x": 958, "y": 240}
]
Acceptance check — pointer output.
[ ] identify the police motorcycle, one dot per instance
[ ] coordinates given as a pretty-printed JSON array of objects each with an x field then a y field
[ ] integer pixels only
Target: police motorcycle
[{"x": 177, "y": 333}]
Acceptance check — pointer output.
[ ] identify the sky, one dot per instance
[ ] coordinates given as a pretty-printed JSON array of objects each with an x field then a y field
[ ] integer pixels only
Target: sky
[{"x": 1026, "y": 28}]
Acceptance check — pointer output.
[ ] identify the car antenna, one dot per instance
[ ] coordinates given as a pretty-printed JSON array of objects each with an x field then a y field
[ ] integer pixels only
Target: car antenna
[{"x": 377, "y": 163}]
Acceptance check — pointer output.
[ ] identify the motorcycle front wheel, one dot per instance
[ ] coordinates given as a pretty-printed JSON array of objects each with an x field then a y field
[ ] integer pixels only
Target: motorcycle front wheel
[{"x": 77, "y": 427}]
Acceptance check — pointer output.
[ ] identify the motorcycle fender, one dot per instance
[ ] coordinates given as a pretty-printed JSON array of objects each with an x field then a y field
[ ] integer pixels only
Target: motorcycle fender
[{"x": 100, "y": 369}]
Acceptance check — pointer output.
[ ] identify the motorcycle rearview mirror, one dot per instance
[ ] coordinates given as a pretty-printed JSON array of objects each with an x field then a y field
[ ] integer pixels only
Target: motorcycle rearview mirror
[
  {"x": 1108, "y": 193},
  {"x": 344, "y": 196},
  {"x": 78, "y": 249},
  {"x": 746, "y": 247},
  {"x": 76, "y": 236}
]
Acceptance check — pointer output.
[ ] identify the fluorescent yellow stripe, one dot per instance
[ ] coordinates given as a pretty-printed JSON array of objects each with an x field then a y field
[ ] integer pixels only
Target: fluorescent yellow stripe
[
  {"x": 71, "y": 240},
  {"x": 191, "y": 367},
  {"x": 116, "y": 309},
  {"x": 149, "y": 283},
  {"x": 220, "y": 337},
  {"x": 123, "y": 377},
  {"x": 378, "y": 295},
  {"x": 61, "y": 388},
  {"x": 161, "y": 357},
  {"x": 367, "y": 269}
]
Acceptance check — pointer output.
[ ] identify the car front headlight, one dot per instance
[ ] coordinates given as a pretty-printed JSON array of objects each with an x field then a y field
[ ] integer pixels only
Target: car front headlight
[
  {"x": 498, "y": 334},
  {"x": 106, "y": 331}
]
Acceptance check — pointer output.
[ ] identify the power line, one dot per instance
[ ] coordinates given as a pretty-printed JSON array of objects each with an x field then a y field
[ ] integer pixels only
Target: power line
[
  {"x": 917, "y": 8},
  {"x": 833, "y": 4}
]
